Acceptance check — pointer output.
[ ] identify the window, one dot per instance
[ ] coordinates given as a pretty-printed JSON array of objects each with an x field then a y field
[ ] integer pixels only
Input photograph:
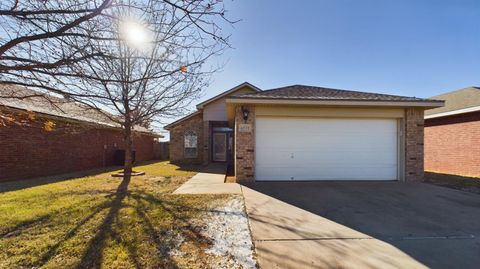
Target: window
[
  {"x": 222, "y": 129},
  {"x": 190, "y": 145}
]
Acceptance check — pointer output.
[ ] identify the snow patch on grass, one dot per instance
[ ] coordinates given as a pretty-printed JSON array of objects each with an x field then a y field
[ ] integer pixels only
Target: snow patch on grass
[{"x": 227, "y": 226}]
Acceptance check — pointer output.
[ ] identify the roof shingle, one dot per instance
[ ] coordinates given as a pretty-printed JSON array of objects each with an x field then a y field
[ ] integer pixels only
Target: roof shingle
[
  {"x": 35, "y": 101},
  {"x": 455, "y": 100},
  {"x": 303, "y": 92}
]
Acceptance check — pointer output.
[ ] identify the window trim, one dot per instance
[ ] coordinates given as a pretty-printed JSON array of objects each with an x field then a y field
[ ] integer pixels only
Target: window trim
[{"x": 190, "y": 155}]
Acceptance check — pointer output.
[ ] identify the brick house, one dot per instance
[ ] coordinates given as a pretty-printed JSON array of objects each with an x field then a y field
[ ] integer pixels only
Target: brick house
[
  {"x": 80, "y": 139},
  {"x": 305, "y": 133},
  {"x": 452, "y": 134}
]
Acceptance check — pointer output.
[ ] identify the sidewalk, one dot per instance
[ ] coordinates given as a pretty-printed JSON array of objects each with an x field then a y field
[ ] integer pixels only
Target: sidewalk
[{"x": 211, "y": 181}]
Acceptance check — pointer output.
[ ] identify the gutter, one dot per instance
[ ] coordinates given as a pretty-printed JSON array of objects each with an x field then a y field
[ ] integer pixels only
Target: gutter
[
  {"x": 453, "y": 112},
  {"x": 426, "y": 103}
]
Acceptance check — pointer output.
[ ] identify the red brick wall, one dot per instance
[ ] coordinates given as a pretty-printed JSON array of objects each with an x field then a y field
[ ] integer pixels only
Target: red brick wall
[
  {"x": 28, "y": 151},
  {"x": 452, "y": 144}
]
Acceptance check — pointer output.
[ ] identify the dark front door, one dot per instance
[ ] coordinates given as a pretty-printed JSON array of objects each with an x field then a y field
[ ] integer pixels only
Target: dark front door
[{"x": 219, "y": 147}]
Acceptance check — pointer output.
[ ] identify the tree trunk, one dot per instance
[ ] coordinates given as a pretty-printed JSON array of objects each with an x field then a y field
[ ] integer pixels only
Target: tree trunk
[{"x": 127, "y": 168}]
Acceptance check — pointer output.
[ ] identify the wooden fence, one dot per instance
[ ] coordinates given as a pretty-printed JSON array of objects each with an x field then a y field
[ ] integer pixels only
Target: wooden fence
[{"x": 161, "y": 150}]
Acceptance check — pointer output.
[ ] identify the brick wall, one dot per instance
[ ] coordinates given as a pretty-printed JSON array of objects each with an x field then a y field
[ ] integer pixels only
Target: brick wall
[
  {"x": 414, "y": 126},
  {"x": 194, "y": 124},
  {"x": 452, "y": 144},
  {"x": 29, "y": 151},
  {"x": 206, "y": 142},
  {"x": 244, "y": 146},
  {"x": 142, "y": 144}
]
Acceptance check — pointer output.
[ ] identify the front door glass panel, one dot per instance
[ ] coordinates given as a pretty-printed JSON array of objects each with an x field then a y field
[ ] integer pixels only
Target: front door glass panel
[{"x": 220, "y": 147}]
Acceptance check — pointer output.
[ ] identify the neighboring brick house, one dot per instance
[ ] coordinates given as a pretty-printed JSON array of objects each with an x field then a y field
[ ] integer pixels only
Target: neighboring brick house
[
  {"x": 305, "y": 133},
  {"x": 80, "y": 139},
  {"x": 452, "y": 134}
]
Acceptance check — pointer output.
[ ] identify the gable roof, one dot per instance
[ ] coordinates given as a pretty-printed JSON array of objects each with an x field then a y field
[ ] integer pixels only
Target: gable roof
[
  {"x": 31, "y": 100},
  {"x": 191, "y": 115},
  {"x": 457, "y": 102},
  {"x": 225, "y": 93},
  {"x": 312, "y": 93},
  {"x": 201, "y": 105}
]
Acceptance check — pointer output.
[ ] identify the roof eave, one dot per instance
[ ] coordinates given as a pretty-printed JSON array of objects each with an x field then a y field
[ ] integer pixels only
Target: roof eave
[
  {"x": 453, "y": 112},
  {"x": 169, "y": 126},
  {"x": 425, "y": 104},
  {"x": 152, "y": 134},
  {"x": 223, "y": 94},
  {"x": 82, "y": 122}
]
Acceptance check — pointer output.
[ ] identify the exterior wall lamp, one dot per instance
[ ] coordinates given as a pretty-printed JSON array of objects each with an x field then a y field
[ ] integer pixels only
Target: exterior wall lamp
[{"x": 245, "y": 113}]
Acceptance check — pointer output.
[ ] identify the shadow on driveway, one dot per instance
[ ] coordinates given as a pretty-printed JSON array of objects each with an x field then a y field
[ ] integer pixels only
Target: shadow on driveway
[{"x": 436, "y": 226}]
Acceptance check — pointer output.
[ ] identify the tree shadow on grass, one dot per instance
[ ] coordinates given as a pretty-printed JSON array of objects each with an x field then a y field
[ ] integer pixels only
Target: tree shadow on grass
[
  {"x": 71, "y": 233},
  {"x": 92, "y": 257},
  {"x": 158, "y": 223},
  {"x": 23, "y": 225},
  {"x": 16, "y": 185},
  {"x": 93, "y": 254}
]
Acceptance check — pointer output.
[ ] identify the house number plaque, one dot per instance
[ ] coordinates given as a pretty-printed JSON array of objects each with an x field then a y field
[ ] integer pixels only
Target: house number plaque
[{"x": 245, "y": 128}]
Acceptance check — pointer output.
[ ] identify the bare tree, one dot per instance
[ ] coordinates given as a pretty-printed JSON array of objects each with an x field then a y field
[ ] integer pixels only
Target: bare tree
[{"x": 134, "y": 61}]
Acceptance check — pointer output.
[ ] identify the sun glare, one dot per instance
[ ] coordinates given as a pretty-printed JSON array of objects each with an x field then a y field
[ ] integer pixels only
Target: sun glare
[{"x": 136, "y": 34}]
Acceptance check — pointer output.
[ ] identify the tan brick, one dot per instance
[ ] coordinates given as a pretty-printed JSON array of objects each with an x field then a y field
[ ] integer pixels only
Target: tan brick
[
  {"x": 194, "y": 124},
  {"x": 244, "y": 146},
  {"x": 414, "y": 124}
]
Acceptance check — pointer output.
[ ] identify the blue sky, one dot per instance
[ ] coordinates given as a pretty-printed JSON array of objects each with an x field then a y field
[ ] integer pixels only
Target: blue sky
[{"x": 414, "y": 48}]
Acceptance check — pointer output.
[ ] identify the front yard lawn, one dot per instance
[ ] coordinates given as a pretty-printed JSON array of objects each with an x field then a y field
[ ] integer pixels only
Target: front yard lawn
[{"x": 101, "y": 221}]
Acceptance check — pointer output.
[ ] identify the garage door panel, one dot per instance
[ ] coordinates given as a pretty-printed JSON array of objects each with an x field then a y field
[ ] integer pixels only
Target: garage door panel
[
  {"x": 326, "y": 149},
  {"x": 333, "y": 141},
  {"x": 328, "y": 173},
  {"x": 352, "y": 156},
  {"x": 313, "y": 158},
  {"x": 331, "y": 147},
  {"x": 325, "y": 126}
]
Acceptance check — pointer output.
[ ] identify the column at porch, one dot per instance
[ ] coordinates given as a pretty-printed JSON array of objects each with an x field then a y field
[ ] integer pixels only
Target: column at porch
[
  {"x": 414, "y": 124},
  {"x": 244, "y": 144}
]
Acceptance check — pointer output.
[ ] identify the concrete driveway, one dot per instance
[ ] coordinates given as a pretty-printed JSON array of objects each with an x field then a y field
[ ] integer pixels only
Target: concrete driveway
[{"x": 363, "y": 225}]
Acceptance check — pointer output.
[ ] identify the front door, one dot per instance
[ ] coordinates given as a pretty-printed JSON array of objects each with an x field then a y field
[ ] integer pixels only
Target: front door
[{"x": 219, "y": 147}]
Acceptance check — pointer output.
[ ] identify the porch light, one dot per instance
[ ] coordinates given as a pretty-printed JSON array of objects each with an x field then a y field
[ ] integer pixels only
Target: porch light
[{"x": 245, "y": 113}]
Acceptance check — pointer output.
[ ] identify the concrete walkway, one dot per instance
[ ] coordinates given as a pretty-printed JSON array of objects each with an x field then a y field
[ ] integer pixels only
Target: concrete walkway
[
  {"x": 286, "y": 236},
  {"x": 209, "y": 181}
]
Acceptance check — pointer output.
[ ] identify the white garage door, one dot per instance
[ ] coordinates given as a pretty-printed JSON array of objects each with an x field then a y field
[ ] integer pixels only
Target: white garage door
[{"x": 290, "y": 148}]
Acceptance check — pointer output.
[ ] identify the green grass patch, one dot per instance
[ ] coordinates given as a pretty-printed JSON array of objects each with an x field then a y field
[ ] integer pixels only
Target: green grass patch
[{"x": 101, "y": 221}]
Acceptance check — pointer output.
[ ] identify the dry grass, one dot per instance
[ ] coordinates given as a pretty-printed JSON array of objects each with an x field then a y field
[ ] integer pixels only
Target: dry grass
[
  {"x": 471, "y": 184},
  {"x": 100, "y": 221}
]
